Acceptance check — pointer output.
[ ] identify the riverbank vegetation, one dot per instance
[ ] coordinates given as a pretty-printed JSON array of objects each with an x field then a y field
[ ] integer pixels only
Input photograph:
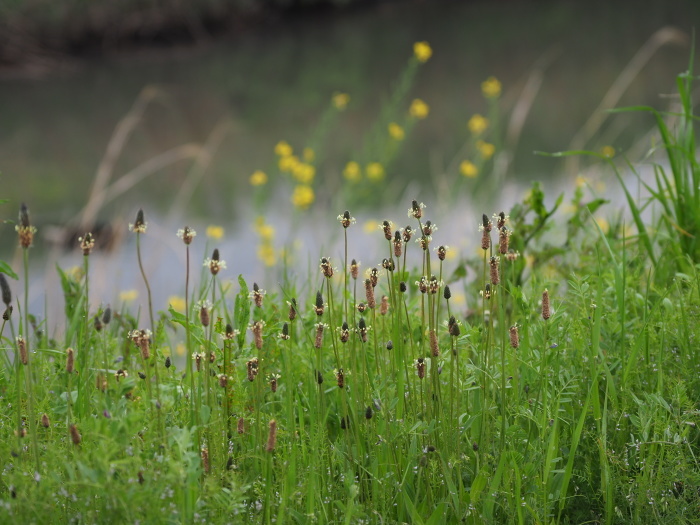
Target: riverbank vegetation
[{"x": 562, "y": 387}]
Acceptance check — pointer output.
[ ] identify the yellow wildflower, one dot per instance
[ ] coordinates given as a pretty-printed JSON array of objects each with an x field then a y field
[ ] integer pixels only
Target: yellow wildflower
[
  {"x": 75, "y": 272},
  {"x": 180, "y": 349},
  {"x": 396, "y": 131},
  {"x": 477, "y": 124},
  {"x": 304, "y": 173},
  {"x": 303, "y": 196},
  {"x": 341, "y": 100},
  {"x": 309, "y": 154},
  {"x": 258, "y": 178},
  {"x": 491, "y": 87},
  {"x": 375, "y": 171},
  {"x": 468, "y": 169},
  {"x": 266, "y": 253},
  {"x": 486, "y": 149},
  {"x": 422, "y": 51},
  {"x": 419, "y": 109},
  {"x": 608, "y": 151},
  {"x": 177, "y": 302},
  {"x": 283, "y": 149},
  {"x": 128, "y": 295},
  {"x": 266, "y": 232},
  {"x": 581, "y": 181},
  {"x": 603, "y": 224},
  {"x": 288, "y": 163},
  {"x": 215, "y": 232},
  {"x": 370, "y": 226},
  {"x": 352, "y": 171}
]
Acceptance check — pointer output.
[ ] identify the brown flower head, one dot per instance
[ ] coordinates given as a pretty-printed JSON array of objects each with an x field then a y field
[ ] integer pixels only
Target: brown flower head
[
  {"x": 398, "y": 244},
  {"x": 354, "y": 269},
  {"x": 24, "y": 229},
  {"x": 326, "y": 267},
  {"x": 87, "y": 243},
  {"x": 416, "y": 210},
  {"x": 187, "y": 235},
  {"x": 215, "y": 264},
  {"x": 140, "y": 225},
  {"x": 387, "y": 227},
  {"x": 346, "y": 220},
  {"x": 319, "y": 307}
]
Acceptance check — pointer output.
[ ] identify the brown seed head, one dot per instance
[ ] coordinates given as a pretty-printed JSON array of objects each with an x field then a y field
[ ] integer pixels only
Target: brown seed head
[
  {"x": 386, "y": 226},
  {"x": 24, "y": 229},
  {"x": 384, "y": 305},
  {"x": 354, "y": 269},
  {"x": 271, "y": 437},
  {"x": 6, "y": 292},
  {"x": 495, "y": 278},
  {"x": 205, "y": 460},
  {"x": 407, "y": 233},
  {"x": 187, "y": 235},
  {"x": 514, "y": 339},
  {"x": 45, "y": 422},
  {"x": 326, "y": 267},
  {"x": 420, "y": 367},
  {"x": 97, "y": 323},
  {"x": 7, "y": 313},
  {"x": 240, "y": 427},
  {"x": 398, "y": 244},
  {"x": 442, "y": 252},
  {"x": 22, "y": 349},
  {"x": 318, "y": 342},
  {"x": 292, "y": 309},
  {"x": 344, "y": 332},
  {"x": 503, "y": 240},
  {"x": 546, "y": 312},
  {"x": 223, "y": 380},
  {"x": 434, "y": 347},
  {"x": 70, "y": 360},
  {"x": 485, "y": 239},
  {"x": 453, "y": 327},
  {"x": 340, "y": 378},
  {"x": 257, "y": 330},
  {"x": 107, "y": 315},
  {"x": 87, "y": 243},
  {"x": 319, "y": 307},
  {"x": 369, "y": 293},
  {"x": 252, "y": 367},
  {"x": 75, "y": 435}
]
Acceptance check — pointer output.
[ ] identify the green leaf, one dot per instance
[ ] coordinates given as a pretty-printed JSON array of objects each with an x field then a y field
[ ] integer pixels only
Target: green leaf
[
  {"x": 5, "y": 268},
  {"x": 241, "y": 310}
]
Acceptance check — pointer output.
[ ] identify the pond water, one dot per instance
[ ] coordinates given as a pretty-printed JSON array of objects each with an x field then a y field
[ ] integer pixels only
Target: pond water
[{"x": 555, "y": 61}]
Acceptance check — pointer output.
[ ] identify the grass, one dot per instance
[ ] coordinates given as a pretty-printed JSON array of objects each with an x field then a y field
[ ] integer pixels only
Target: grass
[{"x": 567, "y": 392}]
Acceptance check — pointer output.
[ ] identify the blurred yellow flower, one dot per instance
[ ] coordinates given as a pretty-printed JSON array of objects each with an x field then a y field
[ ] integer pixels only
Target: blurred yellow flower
[
  {"x": 266, "y": 253},
  {"x": 581, "y": 181},
  {"x": 419, "y": 109},
  {"x": 309, "y": 154},
  {"x": 459, "y": 299},
  {"x": 374, "y": 171},
  {"x": 468, "y": 169},
  {"x": 491, "y": 87},
  {"x": 486, "y": 149},
  {"x": 608, "y": 151},
  {"x": 370, "y": 226},
  {"x": 352, "y": 171},
  {"x": 215, "y": 232},
  {"x": 266, "y": 231},
  {"x": 303, "y": 196},
  {"x": 477, "y": 124},
  {"x": 283, "y": 149},
  {"x": 396, "y": 131},
  {"x": 600, "y": 186},
  {"x": 341, "y": 100},
  {"x": 75, "y": 272},
  {"x": 603, "y": 224},
  {"x": 258, "y": 178},
  {"x": 288, "y": 163},
  {"x": 177, "y": 302},
  {"x": 128, "y": 295},
  {"x": 422, "y": 51},
  {"x": 304, "y": 173},
  {"x": 180, "y": 349}
]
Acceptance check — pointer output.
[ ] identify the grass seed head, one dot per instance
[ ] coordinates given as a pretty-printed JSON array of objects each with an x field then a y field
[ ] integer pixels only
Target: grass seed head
[
  {"x": 369, "y": 293},
  {"x": 6, "y": 292},
  {"x": 24, "y": 229},
  {"x": 398, "y": 244},
  {"x": 384, "y": 305},
  {"x": 514, "y": 339},
  {"x": 319, "y": 307},
  {"x": 70, "y": 360},
  {"x": 107, "y": 315},
  {"x": 546, "y": 311},
  {"x": 45, "y": 421},
  {"x": 447, "y": 293},
  {"x": 271, "y": 437},
  {"x": 7, "y": 314},
  {"x": 495, "y": 278},
  {"x": 22, "y": 349},
  {"x": 75, "y": 435},
  {"x": 87, "y": 243},
  {"x": 434, "y": 347},
  {"x": 292, "y": 309}
]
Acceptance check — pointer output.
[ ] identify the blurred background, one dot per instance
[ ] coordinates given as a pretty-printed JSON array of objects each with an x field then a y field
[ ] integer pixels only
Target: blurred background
[{"x": 193, "y": 109}]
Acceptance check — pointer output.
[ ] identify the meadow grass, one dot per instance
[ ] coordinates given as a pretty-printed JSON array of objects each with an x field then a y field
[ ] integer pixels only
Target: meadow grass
[{"x": 568, "y": 396}]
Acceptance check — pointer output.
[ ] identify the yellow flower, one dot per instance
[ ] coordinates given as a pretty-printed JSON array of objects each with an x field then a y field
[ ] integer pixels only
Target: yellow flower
[
  {"x": 468, "y": 169},
  {"x": 375, "y": 171},
  {"x": 309, "y": 154},
  {"x": 396, "y": 131},
  {"x": 76, "y": 273},
  {"x": 180, "y": 349},
  {"x": 352, "y": 171},
  {"x": 370, "y": 226},
  {"x": 603, "y": 224},
  {"x": 608, "y": 151},
  {"x": 477, "y": 124},
  {"x": 304, "y": 173},
  {"x": 128, "y": 295},
  {"x": 177, "y": 302},
  {"x": 422, "y": 51},
  {"x": 341, "y": 100},
  {"x": 303, "y": 196},
  {"x": 419, "y": 109},
  {"x": 215, "y": 232},
  {"x": 266, "y": 253},
  {"x": 266, "y": 231},
  {"x": 486, "y": 149},
  {"x": 258, "y": 178},
  {"x": 581, "y": 181},
  {"x": 491, "y": 87},
  {"x": 288, "y": 163},
  {"x": 283, "y": 149}
]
